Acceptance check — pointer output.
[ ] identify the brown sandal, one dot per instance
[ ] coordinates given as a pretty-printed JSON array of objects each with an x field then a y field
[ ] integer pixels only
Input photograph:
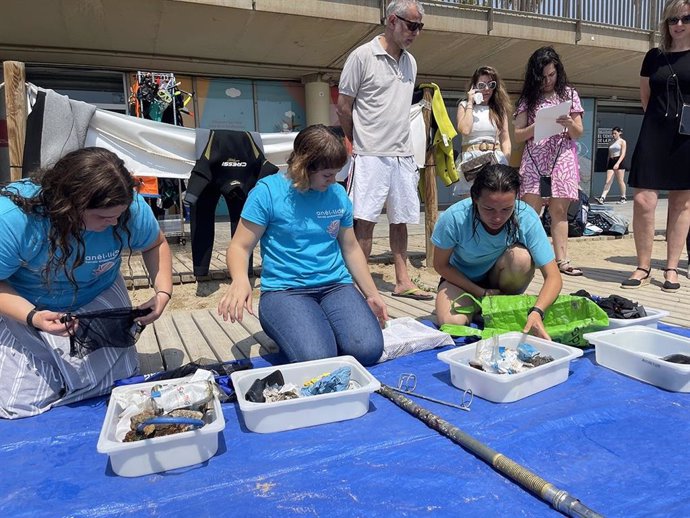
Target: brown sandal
[{"x": 566, "y": 269}]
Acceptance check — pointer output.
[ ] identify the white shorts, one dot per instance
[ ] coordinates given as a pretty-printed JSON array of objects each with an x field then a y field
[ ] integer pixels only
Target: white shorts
[{"x": 392, "y": 181}]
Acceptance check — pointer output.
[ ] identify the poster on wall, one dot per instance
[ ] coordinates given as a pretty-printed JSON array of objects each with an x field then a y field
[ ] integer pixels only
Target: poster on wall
[{"x": 603, "y": 138}]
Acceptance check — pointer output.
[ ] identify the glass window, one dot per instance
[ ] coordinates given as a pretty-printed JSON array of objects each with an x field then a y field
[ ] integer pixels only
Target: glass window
[
  {"x": 280, "y": 106},
  {"x": 104, "y": 89}
]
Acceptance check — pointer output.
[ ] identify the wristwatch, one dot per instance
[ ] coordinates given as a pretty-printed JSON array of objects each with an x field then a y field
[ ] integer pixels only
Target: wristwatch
[{"x": 536, "y": 309}]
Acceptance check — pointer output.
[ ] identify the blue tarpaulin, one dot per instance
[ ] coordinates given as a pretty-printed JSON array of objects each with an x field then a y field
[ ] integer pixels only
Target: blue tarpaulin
[{"x": 619, "y": 445}]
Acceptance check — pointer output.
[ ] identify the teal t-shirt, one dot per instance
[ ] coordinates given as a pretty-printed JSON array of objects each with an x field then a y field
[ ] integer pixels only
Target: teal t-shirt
[
  {"x": 474, "y": 254},
  {"x": 299, "y": 248},
  {"x": 24, "y": 253}
]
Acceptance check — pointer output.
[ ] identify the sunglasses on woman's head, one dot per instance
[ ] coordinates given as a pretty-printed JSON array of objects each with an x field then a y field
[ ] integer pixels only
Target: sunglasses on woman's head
[
  {"x": 411, "y": 26},
  {"x": 483, "y": 86},
  {"x": 673, "y": 20}
]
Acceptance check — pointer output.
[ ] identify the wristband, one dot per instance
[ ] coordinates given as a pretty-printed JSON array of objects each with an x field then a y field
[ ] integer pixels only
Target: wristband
[
  {"x": 166, "y": 293},
  {"x": 536, "y": 310},
  {"x": 30, "y": 319}
]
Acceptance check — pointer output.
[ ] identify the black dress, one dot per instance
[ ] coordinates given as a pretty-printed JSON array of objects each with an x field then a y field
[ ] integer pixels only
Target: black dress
[{"x": 661, "y": 160}]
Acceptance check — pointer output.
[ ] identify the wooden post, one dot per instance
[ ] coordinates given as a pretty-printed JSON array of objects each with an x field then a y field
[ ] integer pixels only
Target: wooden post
[
  {"x": 15, "y": 107},
  {"x": 430, "y": 195}
]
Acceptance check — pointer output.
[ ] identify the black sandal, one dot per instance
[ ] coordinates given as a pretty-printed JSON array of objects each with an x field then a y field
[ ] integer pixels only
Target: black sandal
[
  {"x": 631, "y": 284},
  {"x": 669, "y": 286}
]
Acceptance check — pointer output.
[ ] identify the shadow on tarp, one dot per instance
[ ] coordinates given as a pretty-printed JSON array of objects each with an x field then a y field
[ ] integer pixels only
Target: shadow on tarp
[{"x": 619, "y": 445}]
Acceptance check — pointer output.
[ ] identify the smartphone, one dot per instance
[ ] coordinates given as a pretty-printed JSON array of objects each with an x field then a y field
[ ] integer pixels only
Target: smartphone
[{"x": 478, "y": 98}]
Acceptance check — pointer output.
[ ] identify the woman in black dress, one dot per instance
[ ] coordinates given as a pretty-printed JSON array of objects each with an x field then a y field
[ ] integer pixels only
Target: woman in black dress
[{"x": 662, "y": 155}]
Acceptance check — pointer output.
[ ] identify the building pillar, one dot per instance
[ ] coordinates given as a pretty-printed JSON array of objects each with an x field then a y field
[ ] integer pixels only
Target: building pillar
[{"x": 317, "y": 93}]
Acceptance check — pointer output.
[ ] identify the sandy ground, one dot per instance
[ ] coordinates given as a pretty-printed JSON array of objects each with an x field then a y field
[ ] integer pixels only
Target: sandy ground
[
  {"x": 207, "y": 294},
  {"x": 613, "y": 253}
]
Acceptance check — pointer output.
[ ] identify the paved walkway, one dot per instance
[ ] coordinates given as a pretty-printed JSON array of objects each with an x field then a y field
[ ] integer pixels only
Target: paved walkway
[{"x": 182, "y": 336}]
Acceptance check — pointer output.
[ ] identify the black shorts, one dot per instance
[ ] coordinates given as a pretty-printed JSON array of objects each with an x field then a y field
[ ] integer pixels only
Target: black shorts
[{"x": 612, "y": 162}]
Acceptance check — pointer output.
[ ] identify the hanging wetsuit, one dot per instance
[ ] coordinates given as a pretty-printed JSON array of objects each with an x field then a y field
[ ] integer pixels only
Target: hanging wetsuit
[{"x": 230, "y": 165}]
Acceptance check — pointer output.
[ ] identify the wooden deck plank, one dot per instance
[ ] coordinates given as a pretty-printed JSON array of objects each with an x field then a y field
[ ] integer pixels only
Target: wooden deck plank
[
  {"x": 134, "y": 269},
  {"x": 215, "y": 336},
  {"x": 148, "y": 352},
  {"x": 253, "y": 326},
  {"x": 243, "y": 339},
  {"x": 195, "y": 344},
  {"x": 218, "y": 269},
  {"x": 170, "y": 343},
  {"x": 398, "y": 306},
  {"x": 184, "y": 267}
]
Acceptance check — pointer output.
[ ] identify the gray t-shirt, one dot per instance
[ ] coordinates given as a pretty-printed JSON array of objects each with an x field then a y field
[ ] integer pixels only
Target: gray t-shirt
[{"x": 382, "y": 88}]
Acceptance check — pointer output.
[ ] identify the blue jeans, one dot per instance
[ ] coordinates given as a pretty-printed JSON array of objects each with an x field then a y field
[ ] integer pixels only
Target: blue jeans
[{"x": 321, "y": 322}]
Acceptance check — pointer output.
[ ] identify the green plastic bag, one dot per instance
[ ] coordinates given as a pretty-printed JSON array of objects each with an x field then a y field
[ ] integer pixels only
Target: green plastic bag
[{"x": 566, "y": 320}]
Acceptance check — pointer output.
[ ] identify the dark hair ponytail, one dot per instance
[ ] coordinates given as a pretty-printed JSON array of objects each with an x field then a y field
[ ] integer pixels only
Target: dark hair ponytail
[{"x": 496, "y": 178}]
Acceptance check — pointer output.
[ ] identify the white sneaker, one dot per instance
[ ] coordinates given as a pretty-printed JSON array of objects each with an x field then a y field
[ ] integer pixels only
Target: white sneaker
[
  {"x": 600, "y": 200},
  {"x": 623, "y": 200}
]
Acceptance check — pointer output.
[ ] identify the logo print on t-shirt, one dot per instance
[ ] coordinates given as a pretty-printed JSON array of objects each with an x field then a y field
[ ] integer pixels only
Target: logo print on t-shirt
[
  {"x": 333, "y": 228},
  {"x": 103, "y": 268}
]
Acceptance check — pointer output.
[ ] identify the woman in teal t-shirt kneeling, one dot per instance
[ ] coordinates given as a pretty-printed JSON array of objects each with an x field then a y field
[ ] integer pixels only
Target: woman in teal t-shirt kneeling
[
  {"x": 489, "y": 244},
  {"x": 310, "y": 257}
]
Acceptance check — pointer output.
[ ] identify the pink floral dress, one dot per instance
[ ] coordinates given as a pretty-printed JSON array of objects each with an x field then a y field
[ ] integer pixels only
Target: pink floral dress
[{"x": 555, "y": 156}]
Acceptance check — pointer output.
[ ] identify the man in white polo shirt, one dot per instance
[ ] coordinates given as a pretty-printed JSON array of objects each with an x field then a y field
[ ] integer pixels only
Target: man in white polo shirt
[{"x": 375, "y": 89}]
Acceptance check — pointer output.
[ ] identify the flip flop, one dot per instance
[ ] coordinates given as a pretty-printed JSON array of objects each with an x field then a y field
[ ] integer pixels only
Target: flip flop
[{"x": 414, "y": 293}]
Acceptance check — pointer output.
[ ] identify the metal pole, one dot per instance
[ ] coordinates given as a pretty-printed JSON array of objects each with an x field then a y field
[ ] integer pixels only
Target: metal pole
[{"x": 557, "y": 498}]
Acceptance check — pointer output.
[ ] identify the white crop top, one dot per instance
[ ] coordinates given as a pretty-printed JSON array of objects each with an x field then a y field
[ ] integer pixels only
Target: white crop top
[
  {"x": 483, "y": 129},
  {"x": 615, "y": 148}
]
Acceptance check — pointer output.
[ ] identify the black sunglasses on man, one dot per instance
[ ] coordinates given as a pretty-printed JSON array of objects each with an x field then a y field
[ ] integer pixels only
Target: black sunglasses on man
[{"x": 411, "y": 26}]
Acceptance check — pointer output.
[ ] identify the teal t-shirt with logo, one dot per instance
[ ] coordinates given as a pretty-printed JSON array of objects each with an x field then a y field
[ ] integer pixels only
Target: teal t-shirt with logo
[
  {"x": 24, "y": 250},
  {"x": 299, "y": 247}
]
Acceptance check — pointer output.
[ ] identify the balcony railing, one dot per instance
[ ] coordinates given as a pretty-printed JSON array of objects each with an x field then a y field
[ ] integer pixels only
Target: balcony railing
[{"x": 633, "y": 14}]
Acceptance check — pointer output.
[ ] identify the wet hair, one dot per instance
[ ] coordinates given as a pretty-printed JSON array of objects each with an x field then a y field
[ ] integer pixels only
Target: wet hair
[
  {"x": 616, "y": 128},
  {"x": 534, "y": 77},
  {"x": 496, "y": 178},
  {"x": 671, "y": 8},
  {"x": 499, "y": 103},
  {"x": 315, "y": 148},
  {"x": 399, "y": 7},
  {"x": 89, "y": 178}
]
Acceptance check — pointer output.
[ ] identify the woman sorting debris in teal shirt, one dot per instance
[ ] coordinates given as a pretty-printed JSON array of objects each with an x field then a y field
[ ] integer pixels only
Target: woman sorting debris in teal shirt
[{"x": 489, "y": 244}]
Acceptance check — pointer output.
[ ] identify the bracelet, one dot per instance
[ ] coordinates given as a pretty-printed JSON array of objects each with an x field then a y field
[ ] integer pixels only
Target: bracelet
[
  {"x": 166, "y": 293},
  {"x": 535, "y": 309},
  {"x": 30, "y": 320}
]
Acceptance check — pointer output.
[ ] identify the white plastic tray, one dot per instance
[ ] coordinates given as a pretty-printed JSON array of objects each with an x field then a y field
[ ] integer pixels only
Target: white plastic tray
[
  {"x": 637, "y": 351},
  {"x": 133, "y": 459},
  {"x": 651, "y": 320},
  {"x": 305, "y": 411},
  {"x": 506, "y": 388}
]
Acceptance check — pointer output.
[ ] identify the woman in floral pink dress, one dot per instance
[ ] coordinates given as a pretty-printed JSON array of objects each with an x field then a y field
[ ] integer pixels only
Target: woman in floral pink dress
[{"x": 552, "y": 160}]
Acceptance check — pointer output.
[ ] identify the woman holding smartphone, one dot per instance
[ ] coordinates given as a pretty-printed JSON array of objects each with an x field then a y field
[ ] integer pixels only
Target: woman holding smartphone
[{"x": 483, "y": 121}]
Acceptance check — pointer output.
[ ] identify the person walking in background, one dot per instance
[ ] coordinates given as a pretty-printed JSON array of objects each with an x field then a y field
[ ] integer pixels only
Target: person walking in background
[
  {"x": 550, "y": 168},
  {"x": 617, "y": 150},
  {"x": 483, "y": 122},
  {"x": 662, "y": 153},
  {"x": 490, "y": 245},
  {"x": 309, "y": 257},
  {"x": 376, "y": 88},
  {"x": 63, "y": 233}
]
